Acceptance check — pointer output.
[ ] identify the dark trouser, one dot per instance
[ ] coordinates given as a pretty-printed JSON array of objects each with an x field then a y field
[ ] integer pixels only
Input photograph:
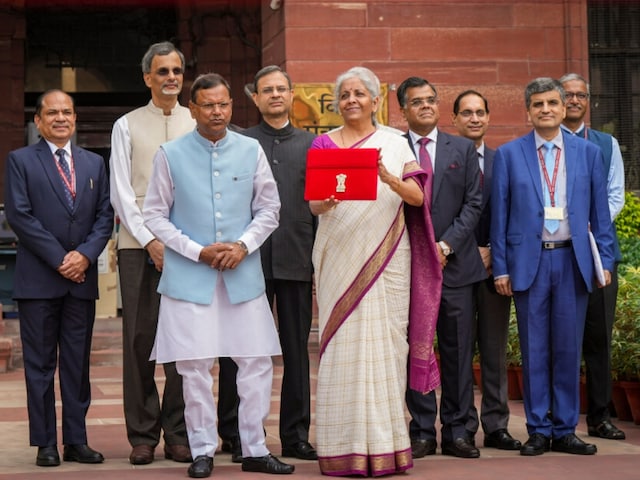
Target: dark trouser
[
  {"x": 491, "y": 330},
  {"x": 293, "y": 305},
  {"x": 144, "y": 415},
  {"x": 596, "y": 348},
  {"x": 228, "y": 400},
  {"x": 48, "y": 328},
  {"x": 455, "y": 340}
]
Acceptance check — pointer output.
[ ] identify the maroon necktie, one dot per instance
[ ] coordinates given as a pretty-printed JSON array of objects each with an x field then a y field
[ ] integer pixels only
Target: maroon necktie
[{"x": 425, "y": 163}]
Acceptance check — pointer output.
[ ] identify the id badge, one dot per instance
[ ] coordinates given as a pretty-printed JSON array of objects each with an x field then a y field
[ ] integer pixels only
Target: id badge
[{"x": 553, "y": 213}]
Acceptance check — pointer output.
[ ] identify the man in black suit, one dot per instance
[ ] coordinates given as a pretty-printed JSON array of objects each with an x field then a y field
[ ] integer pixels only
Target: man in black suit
[
  {"x": 57, "y": 203},
  {"x": 286, "y": 255},
  {"x": 456, "y": 204},
  {"x": 491, "y": 327}
]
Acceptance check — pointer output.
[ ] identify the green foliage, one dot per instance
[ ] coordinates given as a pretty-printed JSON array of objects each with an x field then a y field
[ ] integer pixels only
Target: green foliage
[
  {"x": 630, "y": 249},
  {"x": 514, "y": 357},
  {"x": 625, "y": 338},
  {"x": 628, "y": 221}
]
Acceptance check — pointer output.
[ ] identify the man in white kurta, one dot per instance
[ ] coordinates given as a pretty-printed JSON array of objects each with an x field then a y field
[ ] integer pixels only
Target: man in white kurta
[{"x": 212, "y": 201}]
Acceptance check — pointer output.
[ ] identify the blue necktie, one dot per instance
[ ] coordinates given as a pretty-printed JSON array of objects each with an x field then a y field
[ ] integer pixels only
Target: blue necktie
[
  {"x": 64, "y": 166},
  {"x": 549, "y": 164}
]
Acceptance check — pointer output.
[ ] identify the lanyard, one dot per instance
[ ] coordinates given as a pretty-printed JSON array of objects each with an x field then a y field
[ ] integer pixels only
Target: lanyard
[
  {"x": 551, "y": 184},
  {"x": 71, "y": 185}
]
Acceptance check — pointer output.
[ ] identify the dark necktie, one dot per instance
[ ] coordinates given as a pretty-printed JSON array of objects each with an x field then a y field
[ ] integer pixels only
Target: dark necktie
[
  {"x": 64, "y": 167},
  {"x": 425, "y": 163},
  {"x": 549, "y": 164}
]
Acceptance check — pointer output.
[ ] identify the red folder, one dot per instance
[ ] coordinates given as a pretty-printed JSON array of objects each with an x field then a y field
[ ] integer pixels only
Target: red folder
[{"x": 346, "y": 173}]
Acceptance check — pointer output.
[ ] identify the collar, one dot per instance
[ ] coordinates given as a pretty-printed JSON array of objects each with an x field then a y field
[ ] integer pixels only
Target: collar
[
  {"x": 433, "y": 136},
  {"x": 287, "y": 130},
  {"x": 205, "y": 142},
  {"x": 557, "y": 140},
  {"x": 579, "y": 132},
  {"x": 158, "y": 111},
  {"x": 53, "y": 148}
]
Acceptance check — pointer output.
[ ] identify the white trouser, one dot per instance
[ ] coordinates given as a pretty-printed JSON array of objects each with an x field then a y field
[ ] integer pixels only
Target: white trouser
[{"x": 254, "y": 380}]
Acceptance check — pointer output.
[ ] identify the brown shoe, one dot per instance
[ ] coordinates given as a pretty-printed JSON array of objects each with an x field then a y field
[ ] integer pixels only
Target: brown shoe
[
  {"x": 141, "y": 455},
  {"x": 178, "y": 453}
]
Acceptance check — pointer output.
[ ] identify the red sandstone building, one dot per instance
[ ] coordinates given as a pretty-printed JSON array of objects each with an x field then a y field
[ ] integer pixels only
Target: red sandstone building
[{"x": 92, "y": 48}]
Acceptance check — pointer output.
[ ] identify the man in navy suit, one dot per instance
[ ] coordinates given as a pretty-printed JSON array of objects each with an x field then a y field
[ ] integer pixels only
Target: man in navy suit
[
  {"x": 57, "y": 203},
  {"x": 456, "y": 203},
  {"x": 491, "y": 327},
  {"x": 548, "y": 191}
]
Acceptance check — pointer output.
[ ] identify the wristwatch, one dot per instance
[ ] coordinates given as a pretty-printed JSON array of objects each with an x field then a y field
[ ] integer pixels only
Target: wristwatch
[
  {"x": 243, "y": 246},
  {"x": 446, "y": 251}
]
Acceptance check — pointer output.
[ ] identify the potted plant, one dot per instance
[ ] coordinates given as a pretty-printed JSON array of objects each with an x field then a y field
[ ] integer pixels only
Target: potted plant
[{"x": 625, "y": 338}]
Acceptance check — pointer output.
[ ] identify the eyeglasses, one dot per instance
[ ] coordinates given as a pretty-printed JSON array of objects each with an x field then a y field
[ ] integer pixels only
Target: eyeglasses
[
  {"x": 164, "y": 72},
  {"x": 210, "y": 107},
  {"x": 269, "y": 90},
  {"x": 471, "y": 113},
  {"x": 579, "y": 95},
  {"x": 418, "y": 102}
]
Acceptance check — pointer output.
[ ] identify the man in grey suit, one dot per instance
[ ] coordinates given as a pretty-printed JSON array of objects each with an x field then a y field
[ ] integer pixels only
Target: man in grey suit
[
  {"x": 471, "y": 119},
  {"x": 456, "y": 204},
  {"x": 286, "y": 254}
]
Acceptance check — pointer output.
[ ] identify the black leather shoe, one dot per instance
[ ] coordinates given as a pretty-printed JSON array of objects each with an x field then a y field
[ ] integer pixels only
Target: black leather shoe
[
  {"x": 461, "y": 448},
  {"x": 81, "y": 454},
  {"x": 48, "y": 457},
  {"x": 201, "y": 467},
  {"x": 502, "y": 440},
  {"x": 537, "y": 444},
  {"x": 302, "y": 450},
  {"x": 234, "y": 447},
  {"x": 266, "y": 464},
  {"x": 572, "y": 444},
  {"x": 606, "y": 429},
  {"x": 421, "y": 447}
]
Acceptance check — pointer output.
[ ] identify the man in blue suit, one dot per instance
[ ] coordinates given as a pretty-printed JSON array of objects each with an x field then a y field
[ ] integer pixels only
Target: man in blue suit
[
  {"x": 548, "y": 191},
  {"x": 57, "y": 203}
]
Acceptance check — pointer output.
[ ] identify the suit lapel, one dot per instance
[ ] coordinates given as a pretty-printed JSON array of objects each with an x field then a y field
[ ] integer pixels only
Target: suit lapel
[
  {"x": 570, "y": 158},
  {"x": 532, "y": 161},
  {"x": 48, "y": 162},
  {"x": 487, "y": 176},
  {"x": 441, "y": 162},
  {"x": 82, "y": 174}
]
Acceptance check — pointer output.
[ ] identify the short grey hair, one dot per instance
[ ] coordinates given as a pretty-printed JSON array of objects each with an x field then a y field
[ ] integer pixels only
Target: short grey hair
[
  {"x": 162, "y": 49},
  {"x": 542, "y": 85},
  {"x": 366, "y": 76},
  {"x": 574, "y": 76}
]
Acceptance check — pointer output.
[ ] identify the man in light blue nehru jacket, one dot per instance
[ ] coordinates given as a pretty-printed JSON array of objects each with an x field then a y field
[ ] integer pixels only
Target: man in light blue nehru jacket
[{"x": 212, "y": 201}]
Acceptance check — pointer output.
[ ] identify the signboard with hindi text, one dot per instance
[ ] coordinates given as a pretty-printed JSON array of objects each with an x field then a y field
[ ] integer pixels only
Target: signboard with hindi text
[{"x": 313, "y": 107}]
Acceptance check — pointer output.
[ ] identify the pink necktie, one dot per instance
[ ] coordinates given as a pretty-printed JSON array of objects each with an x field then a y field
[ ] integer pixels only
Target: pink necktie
[{"x": 425, "y": 163}]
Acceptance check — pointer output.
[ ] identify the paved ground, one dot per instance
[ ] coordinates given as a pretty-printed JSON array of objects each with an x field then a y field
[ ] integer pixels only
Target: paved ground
[{"x": 619, "y": 460}]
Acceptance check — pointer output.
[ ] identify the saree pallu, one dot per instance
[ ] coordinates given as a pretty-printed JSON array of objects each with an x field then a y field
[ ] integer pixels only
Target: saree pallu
[{"x": 362, "y": 262}]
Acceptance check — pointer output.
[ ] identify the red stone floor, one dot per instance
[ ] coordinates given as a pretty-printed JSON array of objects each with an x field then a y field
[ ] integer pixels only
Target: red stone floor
[{"x": 618, "y": 460}]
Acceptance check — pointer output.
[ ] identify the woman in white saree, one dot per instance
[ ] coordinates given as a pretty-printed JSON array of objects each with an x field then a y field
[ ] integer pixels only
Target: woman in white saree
[{"x": 373, "y": 297}]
